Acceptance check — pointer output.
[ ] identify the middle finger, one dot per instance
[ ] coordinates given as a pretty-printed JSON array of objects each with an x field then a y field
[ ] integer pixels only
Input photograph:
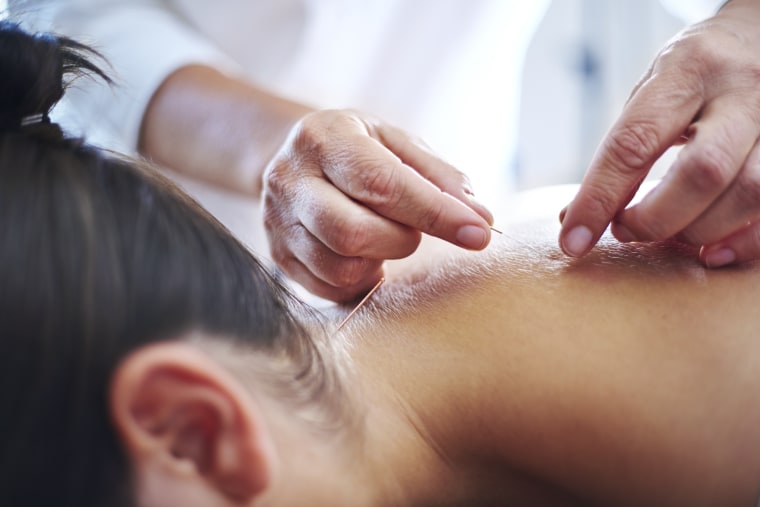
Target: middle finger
[
  {"x": 738, "y": 205},
  {"x": 705, "y": 168}
]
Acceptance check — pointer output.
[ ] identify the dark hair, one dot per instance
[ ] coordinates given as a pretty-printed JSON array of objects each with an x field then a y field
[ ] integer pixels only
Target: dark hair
[
  {"x": 99, "y": 256},
  {"x": 37, "y": 69}
]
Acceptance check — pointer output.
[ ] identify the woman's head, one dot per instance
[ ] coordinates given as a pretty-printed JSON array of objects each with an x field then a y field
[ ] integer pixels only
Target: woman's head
[{"x": 99, "y": 258}]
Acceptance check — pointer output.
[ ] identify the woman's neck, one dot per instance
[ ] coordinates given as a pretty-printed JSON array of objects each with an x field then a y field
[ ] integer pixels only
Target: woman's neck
[
  {"x": 428, "y": 437},
  {"x": 420, "y": 442},
  {"x": 426, "y": 395},
  {"x": 387, "y": 457},
  {"x": 534, "y": 366}
]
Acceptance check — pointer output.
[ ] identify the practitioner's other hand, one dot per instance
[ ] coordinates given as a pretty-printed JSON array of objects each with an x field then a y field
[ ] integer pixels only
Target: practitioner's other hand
[
  {"x": 345, "y": 192},
  {"x": 702, "y": 89}
]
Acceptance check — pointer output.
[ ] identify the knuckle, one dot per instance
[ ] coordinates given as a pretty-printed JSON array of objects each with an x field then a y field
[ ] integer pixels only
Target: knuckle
[
  {"x": 633, "y": 146},
  {"x": 698, "y": 233},
  {"x": 747, "y": 243},
  {"x": 379, "y": 184},
  {"x": 701, "y": 52},
  {"x": 748, "y": 192},
  {"x": 291, "y": 165},
  {"x": 456, "y": 174},
  {"x": 348, "y": 237},
  {"x": 349, "y": 272},
  {"x": 281, "y": 256},
  {"x": 652, "y": 228},
  {"x": 711, "y": 169},
  {"x": 753, "y": 72},
  {"x": 431, "y": 217},
  {"x": 462, "y": 179},
  {"x": 603, "y": 204},
  {"x": 276, "y": 177},
  {"x": 693, "y": 52},
  {"x": 309, "y": 137},
  {"x": 280, "y": 234},
  {"x": 271, "y": 216},
  {"x": 745, "y": 76},
  {"x": 753, "y": 248}
]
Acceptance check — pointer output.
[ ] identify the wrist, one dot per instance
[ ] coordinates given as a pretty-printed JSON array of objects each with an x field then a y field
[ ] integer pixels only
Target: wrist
[{"x": 216, "y": 128}]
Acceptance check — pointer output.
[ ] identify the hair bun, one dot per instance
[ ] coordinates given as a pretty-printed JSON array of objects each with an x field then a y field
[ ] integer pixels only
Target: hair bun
[
  {"x": 34, "y": 68},
  {"x": 33, "y": 74}
]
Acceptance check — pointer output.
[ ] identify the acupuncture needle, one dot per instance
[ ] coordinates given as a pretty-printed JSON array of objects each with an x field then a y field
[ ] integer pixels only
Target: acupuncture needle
[
  {"x": 374, "y": 289},
  {"x": 361, "y": 303}
]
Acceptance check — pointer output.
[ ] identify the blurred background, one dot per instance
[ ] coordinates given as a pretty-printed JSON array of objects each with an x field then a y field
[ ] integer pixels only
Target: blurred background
[{"x": 582, "y": 59}]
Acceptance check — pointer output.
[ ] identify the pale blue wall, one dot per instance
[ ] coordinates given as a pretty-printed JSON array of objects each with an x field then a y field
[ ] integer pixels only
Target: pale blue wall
[{"x": 583, "y": 61}]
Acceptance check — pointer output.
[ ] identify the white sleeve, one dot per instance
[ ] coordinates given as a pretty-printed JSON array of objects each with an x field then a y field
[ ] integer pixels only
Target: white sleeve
[
  {"x": 692, "y": 11},
  {"x": 143, "y": 40}
]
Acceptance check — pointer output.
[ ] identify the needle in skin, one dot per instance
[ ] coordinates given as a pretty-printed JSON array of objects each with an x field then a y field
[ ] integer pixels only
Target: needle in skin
[
  {"x": 361, "y": 303},
  {"x": 374, "y": 289}
]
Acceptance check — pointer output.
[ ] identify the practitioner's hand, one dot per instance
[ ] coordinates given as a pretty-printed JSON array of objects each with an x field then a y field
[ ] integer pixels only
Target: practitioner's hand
[
  {"x": 346, "y": 192},
  {"x": 704, "y": 87}
]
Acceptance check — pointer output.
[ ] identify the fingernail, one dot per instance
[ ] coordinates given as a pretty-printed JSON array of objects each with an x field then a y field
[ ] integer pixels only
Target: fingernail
[
  {"x": 720, "y": 257},
  {"x": 623, "y": 233},
  {"x": 472, "y": 236},
  {"x": 577, "y": 241}
]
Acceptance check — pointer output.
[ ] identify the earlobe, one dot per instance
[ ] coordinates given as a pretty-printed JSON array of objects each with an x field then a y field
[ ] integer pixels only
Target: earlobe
[{"x": 179, "y": 412}]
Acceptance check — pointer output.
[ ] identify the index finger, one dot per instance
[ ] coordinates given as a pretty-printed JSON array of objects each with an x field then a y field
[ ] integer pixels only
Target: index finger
[
  {"x": 377, "y": 178},
  {"x": 417, "y": 155},
  {"x": 654, "y": 119}
]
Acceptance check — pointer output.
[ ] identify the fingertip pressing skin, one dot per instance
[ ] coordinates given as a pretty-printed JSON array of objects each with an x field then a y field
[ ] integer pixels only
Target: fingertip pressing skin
[
  {"x": 573, "y": 241},
  {"x": 718, "y": 257},
  {"x": 577, "y": 241},
  {"x": 654, "y": 119},
  {"x": 701, "y": 91},
  {"x": 742, "y": 246}
]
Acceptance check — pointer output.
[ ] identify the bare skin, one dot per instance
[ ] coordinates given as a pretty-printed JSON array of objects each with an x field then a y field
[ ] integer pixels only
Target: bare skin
[
  {"x": 512, "y": 376},
  {"x": 628, "y": 377}
]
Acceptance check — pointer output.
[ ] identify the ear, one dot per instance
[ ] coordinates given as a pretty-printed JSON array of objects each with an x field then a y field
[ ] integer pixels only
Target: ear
[{"x": 188, "y": 425}]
